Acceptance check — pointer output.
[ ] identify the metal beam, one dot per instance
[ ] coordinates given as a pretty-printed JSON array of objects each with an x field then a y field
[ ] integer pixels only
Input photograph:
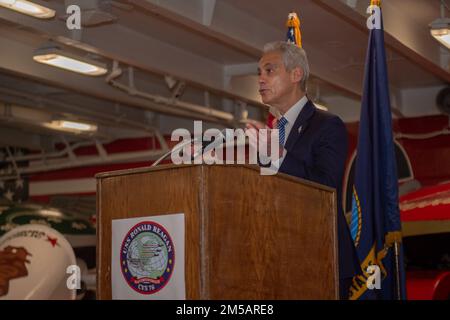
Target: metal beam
[
  {"x": 17, "y": 58},
  {"x": 136, "y": 49},
  {"x": 227, "y": 28}
]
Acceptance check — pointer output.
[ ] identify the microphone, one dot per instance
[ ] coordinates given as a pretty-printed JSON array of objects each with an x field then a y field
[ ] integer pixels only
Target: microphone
[
  {"x": 206, "y": 146},
  {"x": 219, "y": 139}
]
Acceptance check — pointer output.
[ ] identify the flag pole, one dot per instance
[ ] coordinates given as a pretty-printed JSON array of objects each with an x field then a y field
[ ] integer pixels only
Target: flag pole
[
  {"x": 397, "y": 237},
  {"x": 397, "y": 269}
]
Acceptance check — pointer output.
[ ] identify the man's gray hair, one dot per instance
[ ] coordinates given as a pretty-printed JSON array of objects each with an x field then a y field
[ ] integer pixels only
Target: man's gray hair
[{"x": 293, "y": 57}]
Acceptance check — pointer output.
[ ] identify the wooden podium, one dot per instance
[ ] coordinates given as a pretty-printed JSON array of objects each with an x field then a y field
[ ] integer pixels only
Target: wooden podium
[{"x": 247, "y": 236}]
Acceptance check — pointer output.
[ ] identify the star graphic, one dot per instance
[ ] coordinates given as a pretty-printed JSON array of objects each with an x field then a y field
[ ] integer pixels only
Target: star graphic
[
  {"x": 53, "y": 241},
  {"x": 9, "y": 195},
  {"x": 19, "y": 183}
]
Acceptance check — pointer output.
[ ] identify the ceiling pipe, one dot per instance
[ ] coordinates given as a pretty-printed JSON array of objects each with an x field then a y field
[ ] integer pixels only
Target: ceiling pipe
[
  {"x": 109, "y": 119},
  {"x": 170, "y": 102},
  {"x": 149, "y": 155}
]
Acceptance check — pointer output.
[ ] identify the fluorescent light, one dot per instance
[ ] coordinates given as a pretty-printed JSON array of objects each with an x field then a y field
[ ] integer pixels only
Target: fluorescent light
[
  {"x": 443, "y": 36},
  {"x": 28, "y": 8},
  {"x": 440, "y": 30},
  {"x": 67, "y": 63},
  {"x": 56, "y": 58},
  {"x": 70, "y": 126},
  {"x": 77, "y": 126}
]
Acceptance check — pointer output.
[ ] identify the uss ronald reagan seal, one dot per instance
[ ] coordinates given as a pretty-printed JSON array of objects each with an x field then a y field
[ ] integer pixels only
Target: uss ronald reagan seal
[{"x": 147, "y": 257}]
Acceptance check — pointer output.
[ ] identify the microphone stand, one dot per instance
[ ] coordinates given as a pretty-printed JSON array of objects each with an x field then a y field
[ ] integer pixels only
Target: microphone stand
[{"x": 205, "y": 146}]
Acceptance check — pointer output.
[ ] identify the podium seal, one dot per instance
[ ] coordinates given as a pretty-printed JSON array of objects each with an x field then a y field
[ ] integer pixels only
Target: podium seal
[{"x": 147, "y": 257}]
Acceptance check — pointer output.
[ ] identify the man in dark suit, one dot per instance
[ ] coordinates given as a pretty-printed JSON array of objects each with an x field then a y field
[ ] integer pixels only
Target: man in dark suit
[{"x": 313, "y": 142}]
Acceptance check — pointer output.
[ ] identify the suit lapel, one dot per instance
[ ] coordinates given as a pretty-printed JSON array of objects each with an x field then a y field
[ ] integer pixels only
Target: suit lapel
[{"x": 300, "y": 125}]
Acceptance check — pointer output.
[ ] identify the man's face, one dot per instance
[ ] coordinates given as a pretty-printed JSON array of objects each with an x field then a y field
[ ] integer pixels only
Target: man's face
[{"x": 276, "y": 84}]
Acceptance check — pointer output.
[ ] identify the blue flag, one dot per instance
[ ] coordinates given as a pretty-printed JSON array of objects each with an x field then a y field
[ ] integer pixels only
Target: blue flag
[{"x": 375, "y": 223}]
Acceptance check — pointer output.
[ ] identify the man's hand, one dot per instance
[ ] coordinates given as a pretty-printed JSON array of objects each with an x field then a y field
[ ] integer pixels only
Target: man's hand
[
  {"x": 252, "y": 130},
  {"x": 260, "y": 138}
]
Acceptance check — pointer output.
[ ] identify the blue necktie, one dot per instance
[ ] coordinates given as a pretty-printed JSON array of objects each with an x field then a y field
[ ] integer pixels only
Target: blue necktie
[{"x": 282, "y": 127}]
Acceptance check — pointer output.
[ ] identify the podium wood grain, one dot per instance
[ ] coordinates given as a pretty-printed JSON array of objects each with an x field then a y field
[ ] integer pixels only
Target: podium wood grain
[{"x": 247, "y": 236}]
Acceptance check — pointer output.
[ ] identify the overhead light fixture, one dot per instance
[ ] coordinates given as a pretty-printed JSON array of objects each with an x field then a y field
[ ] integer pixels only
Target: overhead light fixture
[
  {"x": 28, "y": 8},
  {"x": 71, "y": 126},
  {"x": 57, "y": 58},
  {"x": 440, "y": 30}
]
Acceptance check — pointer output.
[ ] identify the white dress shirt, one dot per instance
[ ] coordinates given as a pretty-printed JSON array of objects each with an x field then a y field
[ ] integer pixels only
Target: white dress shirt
[{"x": 291, "y": 115}]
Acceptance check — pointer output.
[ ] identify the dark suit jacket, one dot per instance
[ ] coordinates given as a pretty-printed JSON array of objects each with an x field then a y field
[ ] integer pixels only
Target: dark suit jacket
[{"x": 317, "y": 152}]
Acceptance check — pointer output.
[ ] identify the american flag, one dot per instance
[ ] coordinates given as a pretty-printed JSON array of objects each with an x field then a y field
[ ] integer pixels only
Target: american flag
[{"x": 15, "y": 190}]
